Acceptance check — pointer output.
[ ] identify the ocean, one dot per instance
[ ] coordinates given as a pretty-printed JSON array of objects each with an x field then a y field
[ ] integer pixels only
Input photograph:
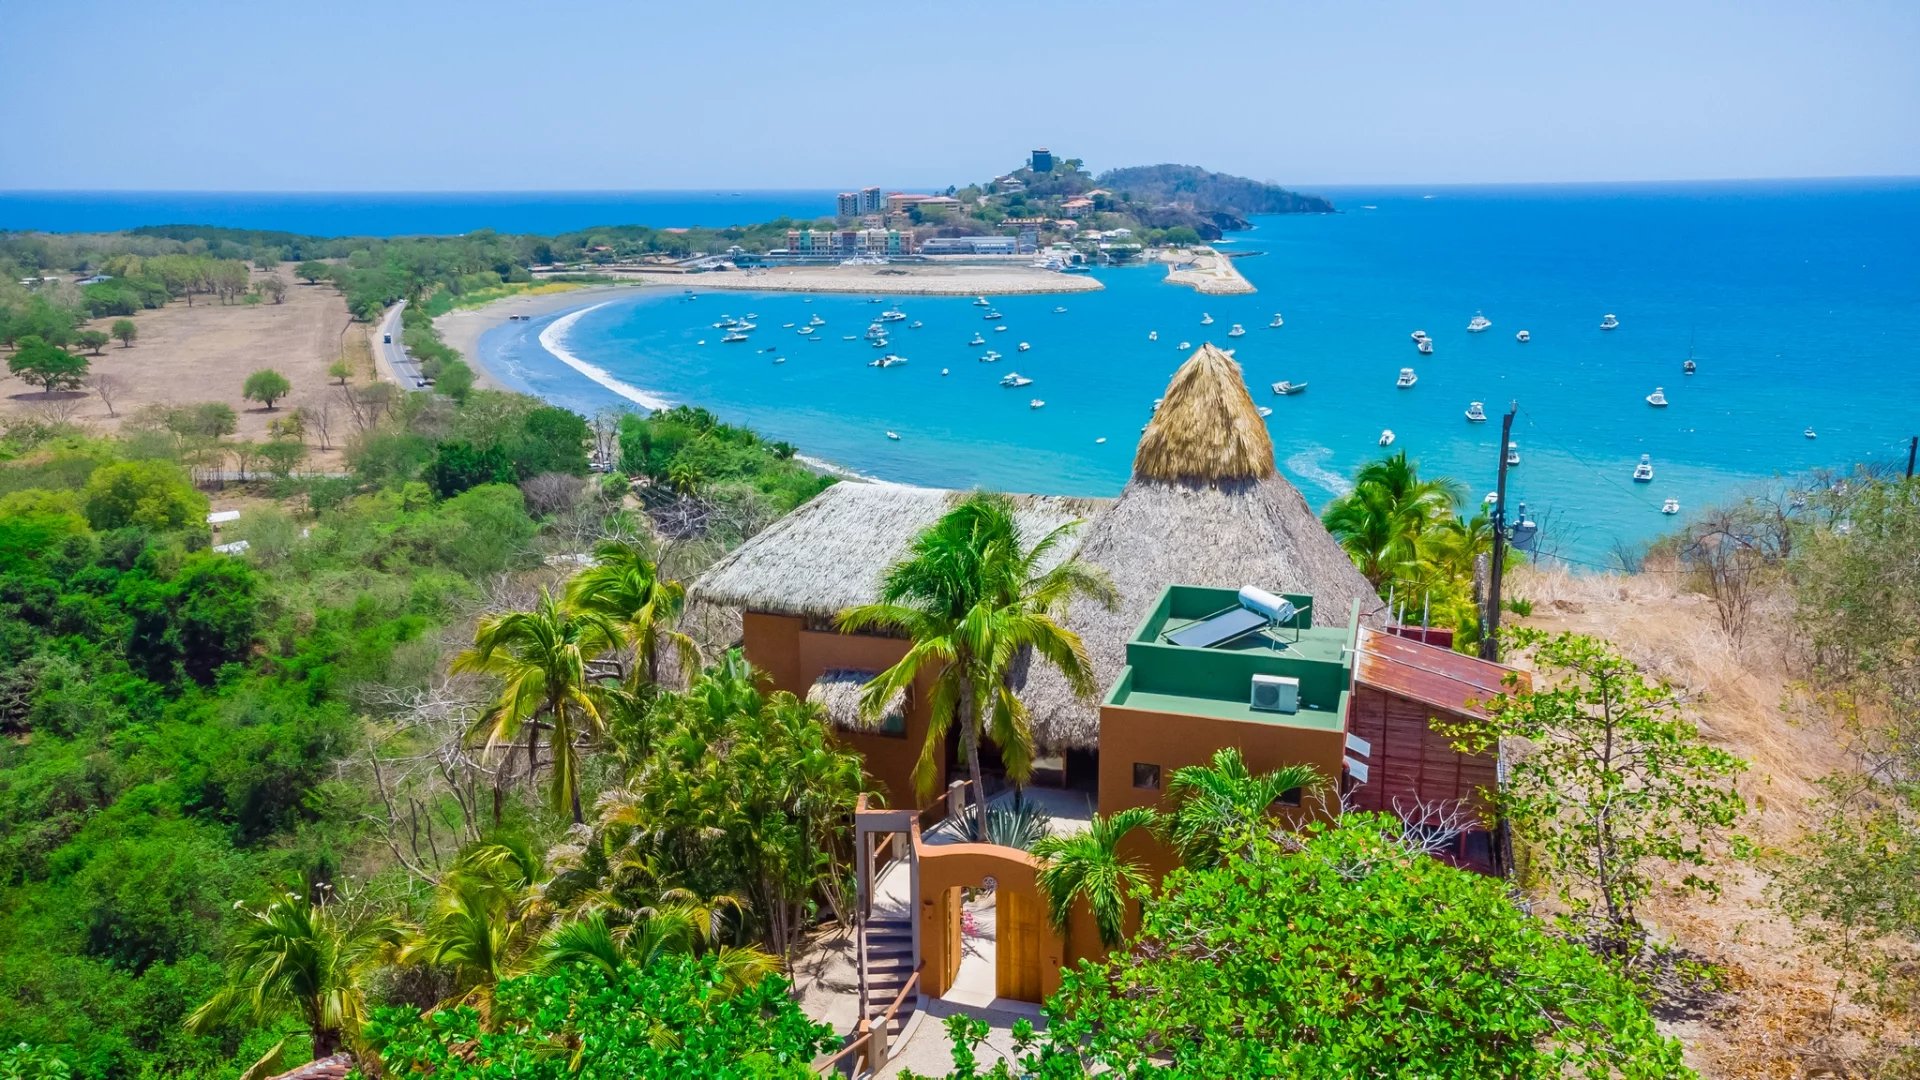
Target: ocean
[
  {"x": 1799, "y": 301},
  {"x": 402, "y": 213}
]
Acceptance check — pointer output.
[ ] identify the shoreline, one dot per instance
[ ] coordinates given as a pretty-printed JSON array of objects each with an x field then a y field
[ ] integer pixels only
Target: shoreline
[
  {"x": 1212, "y": 273},
  {"x": 919, "y": 279},
  {"x": 462, "y": 329}
]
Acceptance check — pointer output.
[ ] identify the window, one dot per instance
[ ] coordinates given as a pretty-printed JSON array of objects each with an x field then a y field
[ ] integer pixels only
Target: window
[
  {"x": 1289, "y": 797},
  {"x": 1145, "y": 776}
]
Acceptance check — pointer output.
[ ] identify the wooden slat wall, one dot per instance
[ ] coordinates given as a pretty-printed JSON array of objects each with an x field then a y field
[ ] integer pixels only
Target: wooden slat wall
[
  {"x": 1018, "y": 953},
  {"x": 1410, "y": 760}
]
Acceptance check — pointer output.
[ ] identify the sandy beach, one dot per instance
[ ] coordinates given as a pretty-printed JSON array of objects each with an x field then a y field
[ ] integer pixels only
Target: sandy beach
[
  {"x": 917, "y": 279},
  {"x": 1211, "y": 273},
  {"x": 462, "y": 329}
]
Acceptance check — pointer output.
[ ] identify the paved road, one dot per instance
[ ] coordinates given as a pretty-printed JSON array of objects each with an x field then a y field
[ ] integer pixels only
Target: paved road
[{"x": 393, "y": 355}]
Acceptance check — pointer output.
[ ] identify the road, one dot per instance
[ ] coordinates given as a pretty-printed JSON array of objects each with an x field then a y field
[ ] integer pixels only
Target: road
[{"x": 393, "y": 356}]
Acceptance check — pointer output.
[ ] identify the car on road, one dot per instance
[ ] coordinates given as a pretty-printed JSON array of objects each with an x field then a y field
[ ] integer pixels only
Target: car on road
[{"x": 387, "y": 338}]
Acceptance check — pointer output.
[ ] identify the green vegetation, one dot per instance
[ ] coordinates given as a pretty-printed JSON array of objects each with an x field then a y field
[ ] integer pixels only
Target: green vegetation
[
  {"x": 1087, "y": 868},
  {"x": 266, "y": 386},
  {"x": 974, "y": 595},
  {"x": 125, "y": 331},
  {"x": 1210, "y": 191},
  {"x": 1222, "y": 799},
  {"x": 46, "y": 365},
  {"x": 688, "y": 450}
]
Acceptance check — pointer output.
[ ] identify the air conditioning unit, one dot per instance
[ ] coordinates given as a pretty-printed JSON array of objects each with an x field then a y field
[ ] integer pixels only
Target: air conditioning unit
[{"x": 1276, "y": 693}]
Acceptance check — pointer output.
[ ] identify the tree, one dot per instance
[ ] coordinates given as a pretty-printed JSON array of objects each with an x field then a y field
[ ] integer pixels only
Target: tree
[
  {"x": 109, "y": 386},
  {"x": 48, "y": 366},
  {"x": 311, "y": 271},
  {"x": 126, "y": 331},
  {"x": 275, "y": 287},
  {"x": 974, "y": 598},
  {"x": 487, "y": 915},
  {"x": 1339, "y": 951},
  {"x": 670, "y": 929},
  {"x": 282, "y": 456},
  {"x": 674, "y": 1016},
  {"x": 1087, "y": 867},
  {"x": 1223, "y": 799},
  {"x": 1613, "y": 781},
  {"x": 458, "y": 465},
  {"x": 455, "y": 381},
  {"x": 1381, "y": 521},
  {"x": 147, "y": 494},
  {"x": 93, "y": 340},
  {"x": 340, "y": 371},
  {"x": 266, "y": 386},
  {"x": 626, "y": 586},
  {"x": 541, "y": 658},
  {"x": 293, "y": 955}
]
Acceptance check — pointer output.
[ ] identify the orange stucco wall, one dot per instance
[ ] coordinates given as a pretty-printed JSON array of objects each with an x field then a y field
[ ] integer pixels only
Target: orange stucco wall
[
  {"x": 793, "y": 657},
  {"x": 949, "y": 866}
]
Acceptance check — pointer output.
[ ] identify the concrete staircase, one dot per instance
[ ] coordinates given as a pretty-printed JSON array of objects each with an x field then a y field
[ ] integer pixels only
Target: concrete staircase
[{"x": 887, "y": 961}]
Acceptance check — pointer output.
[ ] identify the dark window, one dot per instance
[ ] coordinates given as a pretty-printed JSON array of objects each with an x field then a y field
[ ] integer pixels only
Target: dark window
[
  {"x": 1146, "y": 776},
  {"x": 1289, "y": 797}
]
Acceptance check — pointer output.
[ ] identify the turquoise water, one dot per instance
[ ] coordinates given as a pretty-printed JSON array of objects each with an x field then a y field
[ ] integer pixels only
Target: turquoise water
[{"x": 1801, "y": 301}]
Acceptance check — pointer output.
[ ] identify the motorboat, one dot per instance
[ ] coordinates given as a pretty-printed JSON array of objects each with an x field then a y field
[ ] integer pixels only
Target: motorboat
[
  {"x": 1285, "y": 387},
  {"x": 702, "y": 341},
  {"x": 915, "y": 324},
  {"x": 1001, "y": 329},
  {"x": 734, "y": 336},
  {"x": 1386, "y": 437},
  {"x": 1407, "y": 379},
  {"x": 1658, "y": 399},
  {"x": 875, "y": 330},
  {"x": 1643, "y": 472},
  {"x": 1671, "y": 506},
  {"x": 1206, "y": 319},
  {"x": 879, "y": 343},
  {"x": 1014, "y": 378},
  {"x": 874, "y": 300},
  {"x": 1608, "y": 321},
  {"x": 1424, "y": 346},
  {"x": 1263, "y": 411},
  {"x": 1059, "y": 311},
  {"x": 1277, "y": 322},
  {"x": 1100, "y": 440},
  {"x": 1513, "y": 453},
  {"x": 1809, "y": 433},
  {"x": 980, "y": 301},
  {"x": 894, "y": 435},
  {"x": 978, "y": 339},
  {"x": 1184, "y": 346},
  {"x": 850, "y": 337},
  {"x": 786, "y": 326},
  {"x": 745, "y": 324},
  {"x": 1419, "y": 336},
  {"x": 1476, "y": 413},
  {"x": 1153, "y": 335},
  {"x": 816, "y": 320},
  {"x": 1480, "y": 322},
  {"x": 1024, "y": 346},
  {"x": 1490, "y": 498},
  {"x": 1035, "y": 403},
  {"x": 752, "y": 315},
  {"x": 805, "y": 331},
  {"x": 943, "y": 371},
  {"x": 1237, "y": 331},
  {"x": 992, "y": 315},
  {"x": 1688, "y": 367},
  {"x": 887, "y": 361},
  {"x": 893, "y": 315},
  {"x": 1523, "y": 337}
]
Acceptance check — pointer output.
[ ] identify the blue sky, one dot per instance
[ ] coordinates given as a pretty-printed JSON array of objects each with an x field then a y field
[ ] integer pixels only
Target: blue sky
[{"x": 478, "y": 95}]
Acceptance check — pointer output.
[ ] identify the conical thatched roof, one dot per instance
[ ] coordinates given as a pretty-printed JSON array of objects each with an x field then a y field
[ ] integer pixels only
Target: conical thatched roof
[{"x": 1205, "y": 507}]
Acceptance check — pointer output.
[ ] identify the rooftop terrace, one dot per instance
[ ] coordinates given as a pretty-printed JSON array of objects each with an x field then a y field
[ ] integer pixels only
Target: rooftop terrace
[{"x": 1214, "y": 680}]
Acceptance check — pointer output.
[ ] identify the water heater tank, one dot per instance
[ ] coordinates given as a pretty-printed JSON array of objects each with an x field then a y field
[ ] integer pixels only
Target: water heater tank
[{"x": 1262, "y": 602}]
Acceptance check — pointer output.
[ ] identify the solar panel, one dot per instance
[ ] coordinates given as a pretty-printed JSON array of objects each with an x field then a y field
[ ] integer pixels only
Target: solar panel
[{"x": 1218, "y": 629}]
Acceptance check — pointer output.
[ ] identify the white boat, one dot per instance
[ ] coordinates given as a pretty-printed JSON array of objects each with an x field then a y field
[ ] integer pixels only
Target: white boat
[
  {"x": 702, "y": 341},
  {"x": 1809, "y": 433},
  {"x": 1024, "y": 346},
  {"x": 1237, "y": 331},
  {"x": 1476, "y": 413},
  {"x": 1608, "y": 322},
  {"x": 1419, "y": 336},
  {"x": 779, "y": 359},
  {"x": 1658, "y": 399},
  {"x": 1001, "y": 329},
  {"x": 744, "y": 325},
  {"x": 1407, "y": 379},
  {"x": 1643, "y": 472},
  {"x": 943, "y": 371},
  {"x": 786, "y": 326},
  {"x": 850, "y": 337},
  {"x": 1014, "y": 378},
  {"x": 1059, "y": 311},
  {"x": 979, "y": 301},
  {"x": 816, "y": 320},
  {"x": 1671, "y": 506},
  {"x": 1035, "y": 403},
  {"x": 1688, "y": 367},
  {"x": 978, "y": 339},
  {"x": 1287, "y": 387},
  {"x": 1424, "y": 346},
  {"x": 1513, "y": 453},
  {"x": 752, "y": 315},
  {"x": 1184, "y": 346},
  {"x": 1206, "y": 319},
  {"x": 735, "y": 336},
  {"x": 1277, "y": 322},
  {"x": 887, "y": 361},
  {"x": 875, "y": 330},
  {"x": 1480, "y": 322},
  {"x": 1100, "y": 440},
  {"x": 1523, "y": 337},
  {"x": 915, "y": 324},
  {"x": 1386, "y": 437},
  {"x": 1153, "y": 335},
  {"x": 1490, "y": 498},
  {"x": 1263, "y": 411},
  {"x": 804, "y": 331},
  {"x": 894, "y": 435},
  {"x": 892, "y": 315},
  {"x": 992, "y": 315}
]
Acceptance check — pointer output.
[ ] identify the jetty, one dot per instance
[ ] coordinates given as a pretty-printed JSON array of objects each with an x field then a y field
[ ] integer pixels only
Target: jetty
[{"x": 1205, "y": 269}]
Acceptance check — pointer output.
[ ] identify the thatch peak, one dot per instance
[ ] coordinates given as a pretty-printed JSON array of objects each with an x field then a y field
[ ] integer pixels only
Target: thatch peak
[{"x": 1207, "y": 429}]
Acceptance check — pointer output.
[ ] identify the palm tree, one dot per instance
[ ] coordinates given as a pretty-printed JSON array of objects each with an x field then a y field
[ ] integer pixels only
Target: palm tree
[
  {"x": 1087, "y": 866},
  {"x": 1382, "y": 522},
  {"x": 294, "y": 954},
  {"x": 1215, "y": 801},
  {"x": 541, "y": 656},
  {"x": 625, "y": 586},
  {"x": 673, "y": 930},
  {"x": 974, "y": 600},
  {"x": 488, "y": 907}
]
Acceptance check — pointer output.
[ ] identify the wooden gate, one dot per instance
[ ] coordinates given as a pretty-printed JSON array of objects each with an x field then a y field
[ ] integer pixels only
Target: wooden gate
[
  {"x": 950, "y": 905},
  {"x": 1019, "y": 953}
]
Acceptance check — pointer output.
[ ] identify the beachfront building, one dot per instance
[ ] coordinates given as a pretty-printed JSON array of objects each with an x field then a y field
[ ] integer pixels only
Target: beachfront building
[
  {"x": 847, "y": 205},
  {"x": 970, "y": 245},
  {"x": 1309, "y": 673},
  {"x": 885, "y": 242},
  {"x": 870, "y": 201}
]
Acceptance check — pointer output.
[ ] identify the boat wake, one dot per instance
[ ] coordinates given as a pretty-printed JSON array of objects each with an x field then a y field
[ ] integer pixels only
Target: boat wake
[
  {"x": 1311, "y": 465},
  {"x": 554, "y": 340}
]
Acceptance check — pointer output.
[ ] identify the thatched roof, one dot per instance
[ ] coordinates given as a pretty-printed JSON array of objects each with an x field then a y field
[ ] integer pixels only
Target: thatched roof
[
  {"x": 838, "y": 691},
  {"x": 831, "y": 553},
  {"x": 1185, "y": 519}
]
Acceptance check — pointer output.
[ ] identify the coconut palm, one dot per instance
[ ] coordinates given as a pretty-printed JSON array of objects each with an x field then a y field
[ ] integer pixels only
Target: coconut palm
[
  {"x": 975, "y": 600},
  {"x": 541, "y": 658},
  {"x": 625, "y": 586},
  {"x": 486, "y": 913},
  {"x": 1087, "y": 867},
  {"x": 1383, "y": 520},
  {"x": 1214, "y": 801},
  {"x": 674, "y": 929},
  {"x": 295, "y": 955}
]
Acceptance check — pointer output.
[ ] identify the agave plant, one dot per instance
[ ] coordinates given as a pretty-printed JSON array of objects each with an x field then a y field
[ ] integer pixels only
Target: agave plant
[{"x": 1020, "y": 824}]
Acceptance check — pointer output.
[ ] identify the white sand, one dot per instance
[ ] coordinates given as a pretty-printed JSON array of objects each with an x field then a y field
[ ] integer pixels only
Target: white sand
[{"x": 1212, "y": 272}]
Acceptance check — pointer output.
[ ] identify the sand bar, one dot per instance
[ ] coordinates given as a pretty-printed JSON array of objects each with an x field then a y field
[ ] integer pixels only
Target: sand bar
[{"x": 1210, "y": 272}]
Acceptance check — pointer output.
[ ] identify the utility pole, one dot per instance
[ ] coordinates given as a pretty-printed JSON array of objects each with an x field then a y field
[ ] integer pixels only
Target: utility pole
[
  {"x": 1490, "y": 625},
  {"x": 1913, "y": 447}
]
